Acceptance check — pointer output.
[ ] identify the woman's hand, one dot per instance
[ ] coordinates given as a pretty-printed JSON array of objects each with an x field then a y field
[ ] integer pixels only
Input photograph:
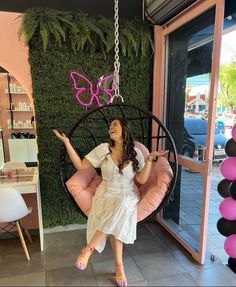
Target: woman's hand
[
  {"x": 76, "y": 160},
  {"x": 61, "y": 136},
  {"x": 143, "y": 175},
  {"x": 153, "y": 155}
]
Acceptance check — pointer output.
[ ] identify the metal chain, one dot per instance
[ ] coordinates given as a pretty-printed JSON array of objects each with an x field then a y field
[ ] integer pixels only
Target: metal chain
[{"x": 117, "y": 59}]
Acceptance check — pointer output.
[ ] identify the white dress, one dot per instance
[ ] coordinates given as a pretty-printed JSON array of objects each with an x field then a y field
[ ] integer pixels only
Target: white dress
[{"x": 114, "y": 205}]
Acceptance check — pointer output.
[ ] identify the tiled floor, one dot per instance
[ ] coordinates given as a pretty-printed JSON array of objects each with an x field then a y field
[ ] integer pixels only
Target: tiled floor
[
  {"x": 155, "y": 259},
  {"x": 190, "y": 210}
]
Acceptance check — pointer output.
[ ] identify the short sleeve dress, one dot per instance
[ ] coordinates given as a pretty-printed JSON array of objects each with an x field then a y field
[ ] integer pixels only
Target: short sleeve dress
[{"x": 114, "y": 205}]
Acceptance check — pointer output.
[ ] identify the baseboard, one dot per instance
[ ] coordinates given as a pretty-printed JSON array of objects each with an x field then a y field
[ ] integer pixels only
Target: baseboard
[{"x": 61, "y": 228}]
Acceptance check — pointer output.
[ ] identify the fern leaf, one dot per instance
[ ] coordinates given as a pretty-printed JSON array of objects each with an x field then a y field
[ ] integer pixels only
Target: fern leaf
[
  {"x": 110, "y": 42},
  {"x": 55, "y": 33},
  {"x": 56, "y": 27},
  {"x": 128, "y": 33},
  {"x": 96, "y": 30},
  {"x": 29, "y": 25},
  {"x": 123, "y": 44},
  {"x": 43, "y": 33}
]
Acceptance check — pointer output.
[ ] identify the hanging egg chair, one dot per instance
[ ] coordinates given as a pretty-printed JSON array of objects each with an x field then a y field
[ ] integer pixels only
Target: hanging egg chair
[{"x": 91, "y": 130}]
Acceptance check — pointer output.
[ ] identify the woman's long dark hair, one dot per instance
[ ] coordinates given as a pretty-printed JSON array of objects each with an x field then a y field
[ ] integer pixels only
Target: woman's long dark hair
[{"x": 129, "y": 153}]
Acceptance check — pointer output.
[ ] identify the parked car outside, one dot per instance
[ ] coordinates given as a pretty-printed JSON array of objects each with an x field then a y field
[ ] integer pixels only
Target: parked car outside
[{"x": 195, "y": 135}]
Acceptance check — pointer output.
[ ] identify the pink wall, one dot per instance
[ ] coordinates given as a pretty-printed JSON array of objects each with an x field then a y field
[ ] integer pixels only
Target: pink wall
[
  {"x": 14, "y": 59},
  {"x": 13, "y": 52}
]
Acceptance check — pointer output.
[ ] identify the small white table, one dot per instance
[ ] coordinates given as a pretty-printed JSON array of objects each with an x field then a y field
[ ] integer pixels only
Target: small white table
[{"x": 26, "y": 181}]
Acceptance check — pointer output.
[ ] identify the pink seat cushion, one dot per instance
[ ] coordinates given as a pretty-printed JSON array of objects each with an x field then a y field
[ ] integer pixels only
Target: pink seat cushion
[
  {"x": 154, "y": 190},
  {"x": 145, "y": 153},
  {"x": 143, "y": 149},
  {"x": 83, "y": 184}
]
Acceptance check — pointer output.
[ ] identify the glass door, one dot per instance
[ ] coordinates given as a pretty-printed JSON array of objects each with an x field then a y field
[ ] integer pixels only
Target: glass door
[{"x": 189, "y": 53}]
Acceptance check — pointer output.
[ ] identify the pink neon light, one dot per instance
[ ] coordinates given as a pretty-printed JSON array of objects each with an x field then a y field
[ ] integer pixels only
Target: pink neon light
[{"x": 94, "y": 93}]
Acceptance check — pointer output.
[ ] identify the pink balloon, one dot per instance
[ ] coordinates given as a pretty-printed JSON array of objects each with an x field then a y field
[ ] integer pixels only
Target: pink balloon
[
  {"x": 228, "y": 168},
  {"x": 228, "y": 208},
  {"x": 234, "y": 132},
  {"x": 230, "y": 245}
]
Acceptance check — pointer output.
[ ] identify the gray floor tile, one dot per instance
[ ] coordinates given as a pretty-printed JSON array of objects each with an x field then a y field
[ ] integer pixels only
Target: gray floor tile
[
  {"x": 71, "y": 276},
  {"x": 32, "y": 279},
  {"x": 183, "y": 279},
  {"x": 212, "y": 229},
  {"x": 13, "y": 245},
  {"x": 67, "y": 238},
  {"x": 220, "y": 254},
  {"x": 190, "y": 265},
  {"x": 220, "y": 276},
  {"x": 142, "y": 229},
  {"x": 105, "y": 275},
  {"x": 139, "y": 283},
  {"x": 61, "y": 256},
  {"x": 162, "y": 236},
  {"x": 21, "y": 265},
  {"x": 156, "y": 265},
  {"x": 215, "y": 241},
  {"x": 83, "y": 234},
  {"x": 104, "y": 272},
  {"x": 145, "y": 244},
  {"x": 213, "y": 218},
  {"x": 105, "y": 255}
]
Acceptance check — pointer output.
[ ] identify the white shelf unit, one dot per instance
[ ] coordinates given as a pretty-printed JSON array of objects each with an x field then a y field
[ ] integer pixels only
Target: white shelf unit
[
  {"x": 25, "y": 150},
  {"x": 16, "y": 106}
]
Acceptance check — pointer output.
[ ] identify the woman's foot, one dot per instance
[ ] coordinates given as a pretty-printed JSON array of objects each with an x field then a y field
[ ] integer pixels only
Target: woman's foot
[
  {"x": 120, "y": 275},
  {"x": 82, "y": 259}
]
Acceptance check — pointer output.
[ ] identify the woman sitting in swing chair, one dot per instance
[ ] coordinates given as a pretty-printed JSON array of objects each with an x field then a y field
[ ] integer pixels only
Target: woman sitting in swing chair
[{"x": 114, "y": 205}]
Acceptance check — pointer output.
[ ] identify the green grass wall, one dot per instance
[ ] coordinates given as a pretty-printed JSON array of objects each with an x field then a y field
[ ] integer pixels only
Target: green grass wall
[{"x": 56, "y": 107}]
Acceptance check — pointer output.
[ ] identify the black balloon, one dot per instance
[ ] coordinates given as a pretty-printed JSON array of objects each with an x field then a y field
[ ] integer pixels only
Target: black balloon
[
  {"x": 230, "y": 147},
  {"x": 232, "y": 264},
  {"x": 226, "y": 227},
  {"x": 232, "y": 189},
  {"x": 223, "y": 187}
]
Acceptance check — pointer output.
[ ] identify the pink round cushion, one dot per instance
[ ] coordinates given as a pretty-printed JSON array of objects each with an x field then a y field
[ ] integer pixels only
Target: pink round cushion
[
  {"x": 143, "y": 149},
  {"x": 145, "y": 153},
  {"x": 83, "y": 184},
  {"x": 154, "y": 190}
]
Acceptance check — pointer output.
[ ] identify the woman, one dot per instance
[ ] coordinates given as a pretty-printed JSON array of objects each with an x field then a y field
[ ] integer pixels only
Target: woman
[{"x": 114, "y": 205}]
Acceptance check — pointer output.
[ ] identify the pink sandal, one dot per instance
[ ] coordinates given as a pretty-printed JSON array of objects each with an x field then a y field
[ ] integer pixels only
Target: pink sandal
[
  {"x": 121, "y": 280},
  {"x": 82, "y": 261}
]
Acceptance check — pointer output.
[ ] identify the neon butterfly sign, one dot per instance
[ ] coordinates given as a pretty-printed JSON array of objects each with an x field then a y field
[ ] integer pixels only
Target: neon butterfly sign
[{"x": 87, "y": 93}]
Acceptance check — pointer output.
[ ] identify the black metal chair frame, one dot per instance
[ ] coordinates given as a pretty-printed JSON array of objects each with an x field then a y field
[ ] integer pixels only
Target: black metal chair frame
[{"x": 142, "y": 115}]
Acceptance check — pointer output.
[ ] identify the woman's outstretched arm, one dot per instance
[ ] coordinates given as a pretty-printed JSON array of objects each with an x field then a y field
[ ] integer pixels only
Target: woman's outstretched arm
[
  {"x": 143, "y": 175},
  {"x": 76, "y": 160}
]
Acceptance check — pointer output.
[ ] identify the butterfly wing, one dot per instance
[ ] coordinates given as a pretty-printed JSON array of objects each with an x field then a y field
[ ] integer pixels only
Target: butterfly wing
[
  {"x": 83, "y": 87},
  {"x": 105, "y": 89}
]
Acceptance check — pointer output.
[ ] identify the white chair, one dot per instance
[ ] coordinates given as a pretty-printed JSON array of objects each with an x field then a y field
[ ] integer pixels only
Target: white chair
[
  {"x": 13, "y": 165},
  {"x": 12, "y": 209}
]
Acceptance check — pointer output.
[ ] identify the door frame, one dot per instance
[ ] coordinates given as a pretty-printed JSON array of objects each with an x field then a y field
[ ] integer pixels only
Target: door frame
[{"x": 160, "y": 96}]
